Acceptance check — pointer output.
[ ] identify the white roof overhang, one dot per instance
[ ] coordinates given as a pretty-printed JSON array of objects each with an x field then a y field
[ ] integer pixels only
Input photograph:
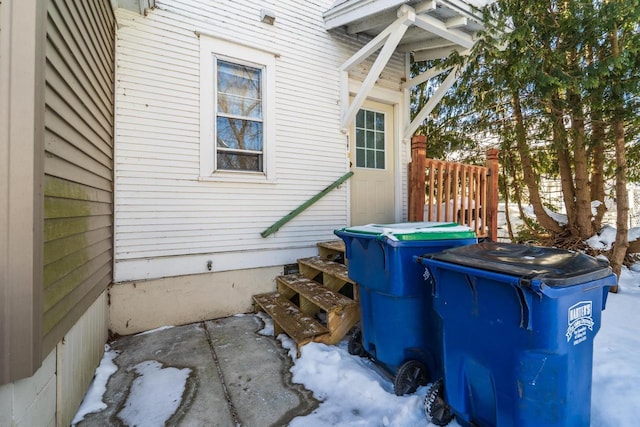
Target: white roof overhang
[{"x": 430, "y": 29}]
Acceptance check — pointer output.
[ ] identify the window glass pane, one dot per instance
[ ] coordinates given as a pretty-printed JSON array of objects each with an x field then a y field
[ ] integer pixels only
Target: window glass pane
[
  {"x": 369, "y": 119},
  {"x": 239, "y": 106},
  {"x": 239, "y": 161},
  {"x": 239, "y": 134},
  {"x": 360, "y": 119},
  {"x": 370, "y": 139},
  {"x": 239, "y": 79},
  {"x": 360, "y": 138},
  {"x": 360, "y": 158},
  {"x": 239, "y": 89},
  {"x": 379, "y": 159},
  {"x": 380, "y": 140},
  {"x": 379, "y": 122},
  {"x": 371, "y": 159}
]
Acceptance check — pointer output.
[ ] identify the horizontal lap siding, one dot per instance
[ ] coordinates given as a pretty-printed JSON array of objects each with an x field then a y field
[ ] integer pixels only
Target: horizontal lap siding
[
  {"x": 162, "y": 209},
  {"x": 78, "y": 160}
]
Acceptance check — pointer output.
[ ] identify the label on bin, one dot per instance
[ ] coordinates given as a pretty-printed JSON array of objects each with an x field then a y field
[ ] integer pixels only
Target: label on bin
[{"x": 579, "y": 318}]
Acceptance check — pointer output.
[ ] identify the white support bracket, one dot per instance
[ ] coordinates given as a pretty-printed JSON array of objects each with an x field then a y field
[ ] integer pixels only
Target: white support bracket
[
  {"x": 390, "y": 37},
  {"x": 432, "y": 102},
  {"x": 427, "y": 75}
]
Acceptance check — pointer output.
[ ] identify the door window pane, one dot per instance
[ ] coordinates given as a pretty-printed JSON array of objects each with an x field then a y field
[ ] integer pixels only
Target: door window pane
[{"x": 370, "y": 142}]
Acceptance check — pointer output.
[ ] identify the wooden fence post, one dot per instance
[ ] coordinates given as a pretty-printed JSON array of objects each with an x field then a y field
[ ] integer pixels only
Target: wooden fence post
[
  {"x": 492, "y": 193},
  {"x": 417, "y": 177}
]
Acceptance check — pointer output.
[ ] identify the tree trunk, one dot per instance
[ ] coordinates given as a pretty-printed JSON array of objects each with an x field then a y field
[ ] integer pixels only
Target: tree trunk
[
  {"x": 622, "y": 201},
  {"x": 597, "y": 164},
  {"x": 581, "y": 166},
  {"x": 518, "y": 196},
  {"x": 622, "y": 197},
  {"x": 560, "y": 143},
  {"x": 598, "y": 136},
  {"x": 527, "y": 169},
  {"x": 504, "y": 184}
]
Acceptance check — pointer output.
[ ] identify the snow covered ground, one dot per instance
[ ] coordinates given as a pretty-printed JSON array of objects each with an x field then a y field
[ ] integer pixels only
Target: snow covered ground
[{"x": 354, "y": 393}]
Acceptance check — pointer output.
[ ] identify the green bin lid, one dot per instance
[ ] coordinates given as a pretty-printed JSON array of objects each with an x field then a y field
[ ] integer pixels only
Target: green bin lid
[{"x": 406, "y": 231}]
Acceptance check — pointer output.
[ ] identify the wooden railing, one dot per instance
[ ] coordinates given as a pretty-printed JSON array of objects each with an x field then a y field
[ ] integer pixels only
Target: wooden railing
[
  {"x": 454, "y": 192},
  {"x": 297, "y": 211}
]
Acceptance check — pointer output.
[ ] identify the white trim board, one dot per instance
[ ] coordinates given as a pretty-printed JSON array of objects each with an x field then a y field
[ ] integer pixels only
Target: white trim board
[{"x": 157, "y": 268}]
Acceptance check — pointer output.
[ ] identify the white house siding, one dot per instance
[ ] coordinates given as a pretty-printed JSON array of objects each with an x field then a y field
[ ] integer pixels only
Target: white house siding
[{"x": 168, "y": 222}]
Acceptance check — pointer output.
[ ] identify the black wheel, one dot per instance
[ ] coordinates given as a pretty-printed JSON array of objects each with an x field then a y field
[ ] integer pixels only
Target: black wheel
[
  {"x": 355, "y": 346},
  {"x": 436, "y": 409},
  {"x": 411, "y": 374}
]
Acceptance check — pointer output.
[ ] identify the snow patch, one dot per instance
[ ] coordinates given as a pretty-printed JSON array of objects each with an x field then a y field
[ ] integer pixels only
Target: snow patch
[
  {"x": 353, "y": 391},
  {"x": 92, "y": 401},
  {"x": 267, "y": 330},
  {"x": 155, "y": 394},
  {"x": 151, "y": 331}
]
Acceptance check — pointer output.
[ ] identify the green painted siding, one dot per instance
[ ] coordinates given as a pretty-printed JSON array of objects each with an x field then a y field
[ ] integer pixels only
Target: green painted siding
[{"x": 78, "y": 205}]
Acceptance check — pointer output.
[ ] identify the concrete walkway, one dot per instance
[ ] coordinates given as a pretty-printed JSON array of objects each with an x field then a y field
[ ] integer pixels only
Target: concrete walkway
[{"x": 238, "y": 377}]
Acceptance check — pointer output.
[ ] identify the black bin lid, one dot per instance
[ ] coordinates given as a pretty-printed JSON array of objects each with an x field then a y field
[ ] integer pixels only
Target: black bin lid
[{"x": 554, "y": 267}]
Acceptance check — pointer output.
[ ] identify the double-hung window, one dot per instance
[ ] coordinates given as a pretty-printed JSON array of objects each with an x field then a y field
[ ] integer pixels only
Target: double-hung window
[
  {"x": 239, "y": 119},
  {"x": 236, "y": 112}
]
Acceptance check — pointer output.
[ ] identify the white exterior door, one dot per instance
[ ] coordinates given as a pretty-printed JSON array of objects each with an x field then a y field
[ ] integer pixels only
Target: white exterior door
[{"x": 372, "y": 161}]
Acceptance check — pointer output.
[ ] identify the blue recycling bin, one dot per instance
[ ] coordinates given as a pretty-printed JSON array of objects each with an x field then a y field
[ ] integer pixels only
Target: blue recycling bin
[
  {"x": 399, "y": 329},
  {"x": 518, "y": 324}
]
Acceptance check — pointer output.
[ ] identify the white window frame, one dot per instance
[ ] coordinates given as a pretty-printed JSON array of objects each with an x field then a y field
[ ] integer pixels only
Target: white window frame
[{"x": 212, "y": 49}]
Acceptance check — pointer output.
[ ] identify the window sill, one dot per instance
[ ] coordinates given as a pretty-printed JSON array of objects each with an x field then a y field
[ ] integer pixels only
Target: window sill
[{"x": 238, "y": 177}]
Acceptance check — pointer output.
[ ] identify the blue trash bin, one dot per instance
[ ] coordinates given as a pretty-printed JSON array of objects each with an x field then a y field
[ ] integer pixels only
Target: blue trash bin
[
  {"x": 518, "y": 324},
  {"x": 399, "y": 329}
]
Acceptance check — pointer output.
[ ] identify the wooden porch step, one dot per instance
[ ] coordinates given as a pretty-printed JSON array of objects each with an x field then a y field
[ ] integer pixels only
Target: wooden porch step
[
  {"x": 311, "y": 267},
  {"x": 333, "y": 275},
  {"x": 318, "y": 295},
  {"x": 288, "y": 318},
  {"x": 322, "y": 285},
  {"x": 332, "y": 250}
]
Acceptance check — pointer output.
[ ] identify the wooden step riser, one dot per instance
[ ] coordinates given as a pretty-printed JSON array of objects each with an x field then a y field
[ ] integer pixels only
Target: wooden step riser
[{"x": 333, "y": 250}]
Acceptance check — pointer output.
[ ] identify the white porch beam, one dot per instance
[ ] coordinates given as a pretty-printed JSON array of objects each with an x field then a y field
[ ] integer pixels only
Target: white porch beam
[
  {"x": 432, "y": 102},
  {"x": 427, "y": 75},
  {"x": 406, "y": 18},
  {"x": 430, "y": 54},
  {"x": 457, "y": 22},
  {"x": 349, "y": 12},
  {"x": 439, "y": 28},
  {"x": 435, "y": 43},
  {"x": 372, "y": 22},
  {"x": 425, "y": 6}
]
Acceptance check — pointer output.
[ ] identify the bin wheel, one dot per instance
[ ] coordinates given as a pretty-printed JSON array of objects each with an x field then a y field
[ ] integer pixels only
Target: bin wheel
[
  {"x": 355, "y": 346},
  {"x": 436, "y": 409},
  {"x": 411, "y": 374}
]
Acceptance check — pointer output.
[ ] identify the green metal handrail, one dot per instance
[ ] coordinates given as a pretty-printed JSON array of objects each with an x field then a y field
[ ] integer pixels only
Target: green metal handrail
[{"x": 285, "y": 219}]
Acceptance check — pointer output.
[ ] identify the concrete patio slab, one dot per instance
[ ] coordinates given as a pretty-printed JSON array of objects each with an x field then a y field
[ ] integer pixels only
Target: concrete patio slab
[{"x": 237, "y": 377}]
